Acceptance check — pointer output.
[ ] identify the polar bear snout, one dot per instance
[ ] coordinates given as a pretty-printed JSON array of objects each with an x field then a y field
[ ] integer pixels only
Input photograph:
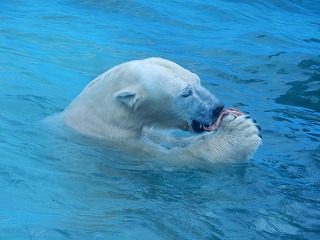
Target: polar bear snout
[{"x": 206, "y": 117}]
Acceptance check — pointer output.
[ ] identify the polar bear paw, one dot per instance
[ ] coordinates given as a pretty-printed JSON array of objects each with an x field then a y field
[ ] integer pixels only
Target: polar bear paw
[
  {"x": 243, "y": 125},
  {"x": 242, "y": 134}
]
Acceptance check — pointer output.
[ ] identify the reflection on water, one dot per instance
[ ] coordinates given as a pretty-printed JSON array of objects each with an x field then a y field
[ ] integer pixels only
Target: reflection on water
[{"x": 305, "y": 93}]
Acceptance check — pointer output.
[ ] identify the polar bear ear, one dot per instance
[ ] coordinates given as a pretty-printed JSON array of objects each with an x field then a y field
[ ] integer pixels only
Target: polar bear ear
[{"x": 128, "y": 97}]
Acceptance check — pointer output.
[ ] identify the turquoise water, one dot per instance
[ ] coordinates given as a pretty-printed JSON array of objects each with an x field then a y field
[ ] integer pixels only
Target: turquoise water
[{"x": 259, "y": 56}]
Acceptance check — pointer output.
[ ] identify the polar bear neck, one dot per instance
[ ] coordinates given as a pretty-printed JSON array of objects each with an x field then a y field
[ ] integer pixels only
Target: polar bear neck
[{"x": 99, "y": 126}]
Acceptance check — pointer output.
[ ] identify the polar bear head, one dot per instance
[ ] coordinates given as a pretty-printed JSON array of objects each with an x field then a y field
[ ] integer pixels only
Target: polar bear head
[{"x": 158, "y": 92}]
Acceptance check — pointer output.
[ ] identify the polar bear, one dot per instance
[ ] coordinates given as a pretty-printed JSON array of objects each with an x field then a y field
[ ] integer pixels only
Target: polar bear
[{"x": 131, "y": 99}]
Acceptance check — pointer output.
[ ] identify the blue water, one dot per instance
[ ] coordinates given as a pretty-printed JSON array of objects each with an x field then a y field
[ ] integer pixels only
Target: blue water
[{"x": 259, "y": 56}]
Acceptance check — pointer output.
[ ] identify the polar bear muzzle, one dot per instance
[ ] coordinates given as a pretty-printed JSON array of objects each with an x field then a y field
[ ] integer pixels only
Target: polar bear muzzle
[
  {"x": 203, "y": 108},
  {"x": 201, "y": 127}
]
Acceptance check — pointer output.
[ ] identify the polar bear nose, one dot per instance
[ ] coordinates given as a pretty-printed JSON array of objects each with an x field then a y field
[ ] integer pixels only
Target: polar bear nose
[{"x": 217, "y": 110}]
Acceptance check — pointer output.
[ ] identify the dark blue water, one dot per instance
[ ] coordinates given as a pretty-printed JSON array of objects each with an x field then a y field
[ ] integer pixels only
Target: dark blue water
[{"x": 259, "y": 56}]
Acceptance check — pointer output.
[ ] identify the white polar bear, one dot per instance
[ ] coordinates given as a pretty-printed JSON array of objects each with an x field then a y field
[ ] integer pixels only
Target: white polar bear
[{"x": 129, "y": 99}]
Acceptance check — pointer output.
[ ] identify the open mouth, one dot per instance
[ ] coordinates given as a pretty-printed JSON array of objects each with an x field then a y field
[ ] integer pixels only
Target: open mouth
[{"x": 198, "y": 127}]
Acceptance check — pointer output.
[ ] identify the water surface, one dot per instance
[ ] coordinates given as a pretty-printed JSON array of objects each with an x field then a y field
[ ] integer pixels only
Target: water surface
[{"x": 259, "y": 56}]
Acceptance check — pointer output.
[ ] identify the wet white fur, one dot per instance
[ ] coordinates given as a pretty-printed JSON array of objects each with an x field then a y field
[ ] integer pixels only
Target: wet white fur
[{"x": 131, "y": 97}]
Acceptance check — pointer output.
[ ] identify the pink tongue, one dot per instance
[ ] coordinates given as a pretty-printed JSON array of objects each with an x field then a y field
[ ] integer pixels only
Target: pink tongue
[{"x": 222, "y": 114}]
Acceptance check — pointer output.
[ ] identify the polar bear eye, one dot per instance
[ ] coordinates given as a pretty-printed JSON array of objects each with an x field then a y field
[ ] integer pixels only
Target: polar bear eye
[{"x": 187, "y": 92}]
